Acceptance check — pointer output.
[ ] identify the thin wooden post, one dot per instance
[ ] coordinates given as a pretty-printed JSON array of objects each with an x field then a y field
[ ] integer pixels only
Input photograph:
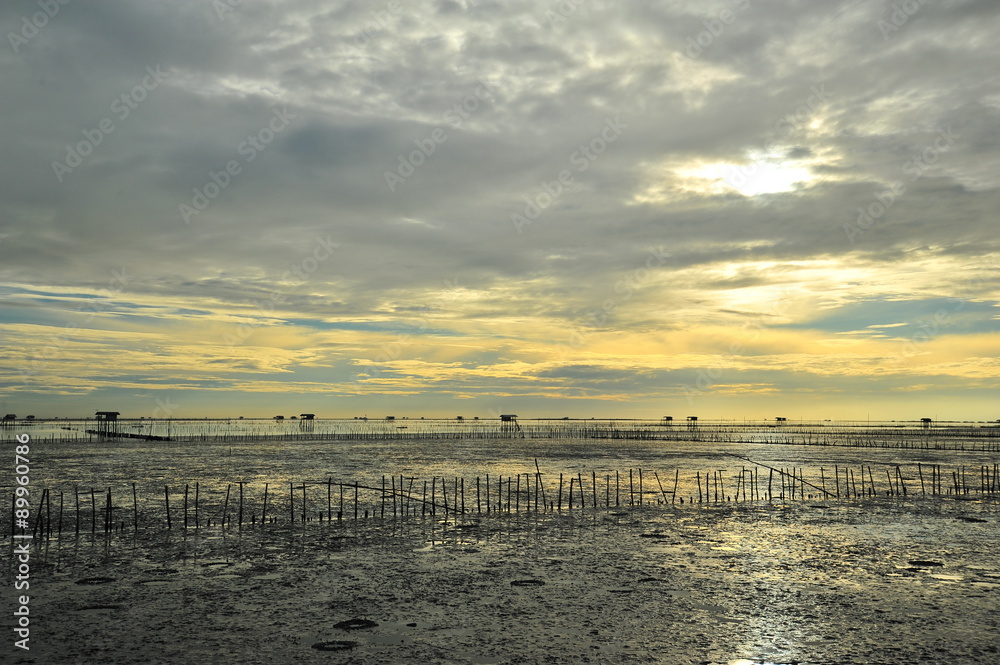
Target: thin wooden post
[
  {"x": 239, "y": 519},
  {"x": 677, "y": 477},
  {"x": 559, "y": 502},
  {"x": 662, "y": 493},
  {"x": 93, "y": 511},
  {"x": 196, "y": 491},
  {"x": 225, "y": 506},
  {"x": 263, "y": 512},
  {"x": 291, "y": 501},
  {"x": 166, "y": 498},
  {"x": 304, "y": 504}
]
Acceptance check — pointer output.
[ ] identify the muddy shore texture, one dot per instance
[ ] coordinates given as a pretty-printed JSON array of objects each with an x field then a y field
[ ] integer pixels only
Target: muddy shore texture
[{"x": 887, "y": 580}]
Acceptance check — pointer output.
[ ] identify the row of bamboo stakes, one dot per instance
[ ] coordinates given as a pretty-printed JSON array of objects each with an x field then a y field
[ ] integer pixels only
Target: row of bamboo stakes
[{"x": 399, "y": 496}]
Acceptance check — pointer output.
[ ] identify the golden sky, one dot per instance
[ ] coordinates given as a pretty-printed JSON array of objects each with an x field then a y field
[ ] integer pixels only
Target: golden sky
[{"x": 434, "y": 208}]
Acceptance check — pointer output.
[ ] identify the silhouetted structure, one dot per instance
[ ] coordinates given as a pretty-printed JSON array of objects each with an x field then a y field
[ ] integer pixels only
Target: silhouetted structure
[
  {"x": 926, "y": 423},
  {"x": 780, "y": 420},
  {"x": 508, "y": 423},
  {"x": 8, "y": 420},
  {"x": 667, "y": 420},
  {"x": 107, "y": 422},
  {"x": 692, "y": 422},
  {"x": 307, "y": 422}
]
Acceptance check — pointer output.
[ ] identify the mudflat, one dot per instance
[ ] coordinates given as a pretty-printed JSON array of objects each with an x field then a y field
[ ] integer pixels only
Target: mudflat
[{"x": 874, "y": 580}]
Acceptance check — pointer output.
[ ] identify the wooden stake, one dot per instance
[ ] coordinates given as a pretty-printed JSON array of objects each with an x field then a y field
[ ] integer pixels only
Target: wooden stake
[{"x": 263, "y": 512}]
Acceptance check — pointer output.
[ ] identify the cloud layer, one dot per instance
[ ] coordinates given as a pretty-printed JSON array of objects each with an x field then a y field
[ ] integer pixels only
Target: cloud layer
[{"x": 735, "y": 208}]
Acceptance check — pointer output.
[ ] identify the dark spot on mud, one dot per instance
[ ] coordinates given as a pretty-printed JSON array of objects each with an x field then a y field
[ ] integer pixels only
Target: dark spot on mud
[
  {"x": 656, "y": 536},
  {"x": 335, "y": 645},
  {"x": 647, "y": 580},
  {"x": 411, "y": 625},
  {"x": 974, "y": 520},
  {"x": 216, "y": 563},
  {"x": 95, "y": 608},
  {"x": 925, "y": 564},
  {"x": 527, "y": 583},
  {"x": 95, "y": 580},
  {"x": 355, "y": 624}
]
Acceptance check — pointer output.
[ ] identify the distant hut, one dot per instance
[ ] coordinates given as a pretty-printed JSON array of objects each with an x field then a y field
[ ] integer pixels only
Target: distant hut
[
  {"x": 692, "y": 422},
  {"x": 107, "y": 422},
  {"x": 459, "y": 418},
  {"x": 8, "y": 420},
  {"x": 508, "y": 423},
  {"x": 667, "y": 420},
  {"x": 307, "y": 422},
  {"x": 780, "y": 421},
  {"x": 926, "y": 423},
  {"x": 279, "y": 418},
  {"x": 390, "y": 417}
]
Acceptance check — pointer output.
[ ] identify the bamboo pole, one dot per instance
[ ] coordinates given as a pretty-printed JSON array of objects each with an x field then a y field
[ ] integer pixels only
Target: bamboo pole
[{"x": 263, "y": 512}]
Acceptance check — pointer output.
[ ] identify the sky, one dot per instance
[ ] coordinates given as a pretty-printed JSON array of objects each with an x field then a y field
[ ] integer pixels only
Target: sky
[{"x": 722, "y": 208}]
